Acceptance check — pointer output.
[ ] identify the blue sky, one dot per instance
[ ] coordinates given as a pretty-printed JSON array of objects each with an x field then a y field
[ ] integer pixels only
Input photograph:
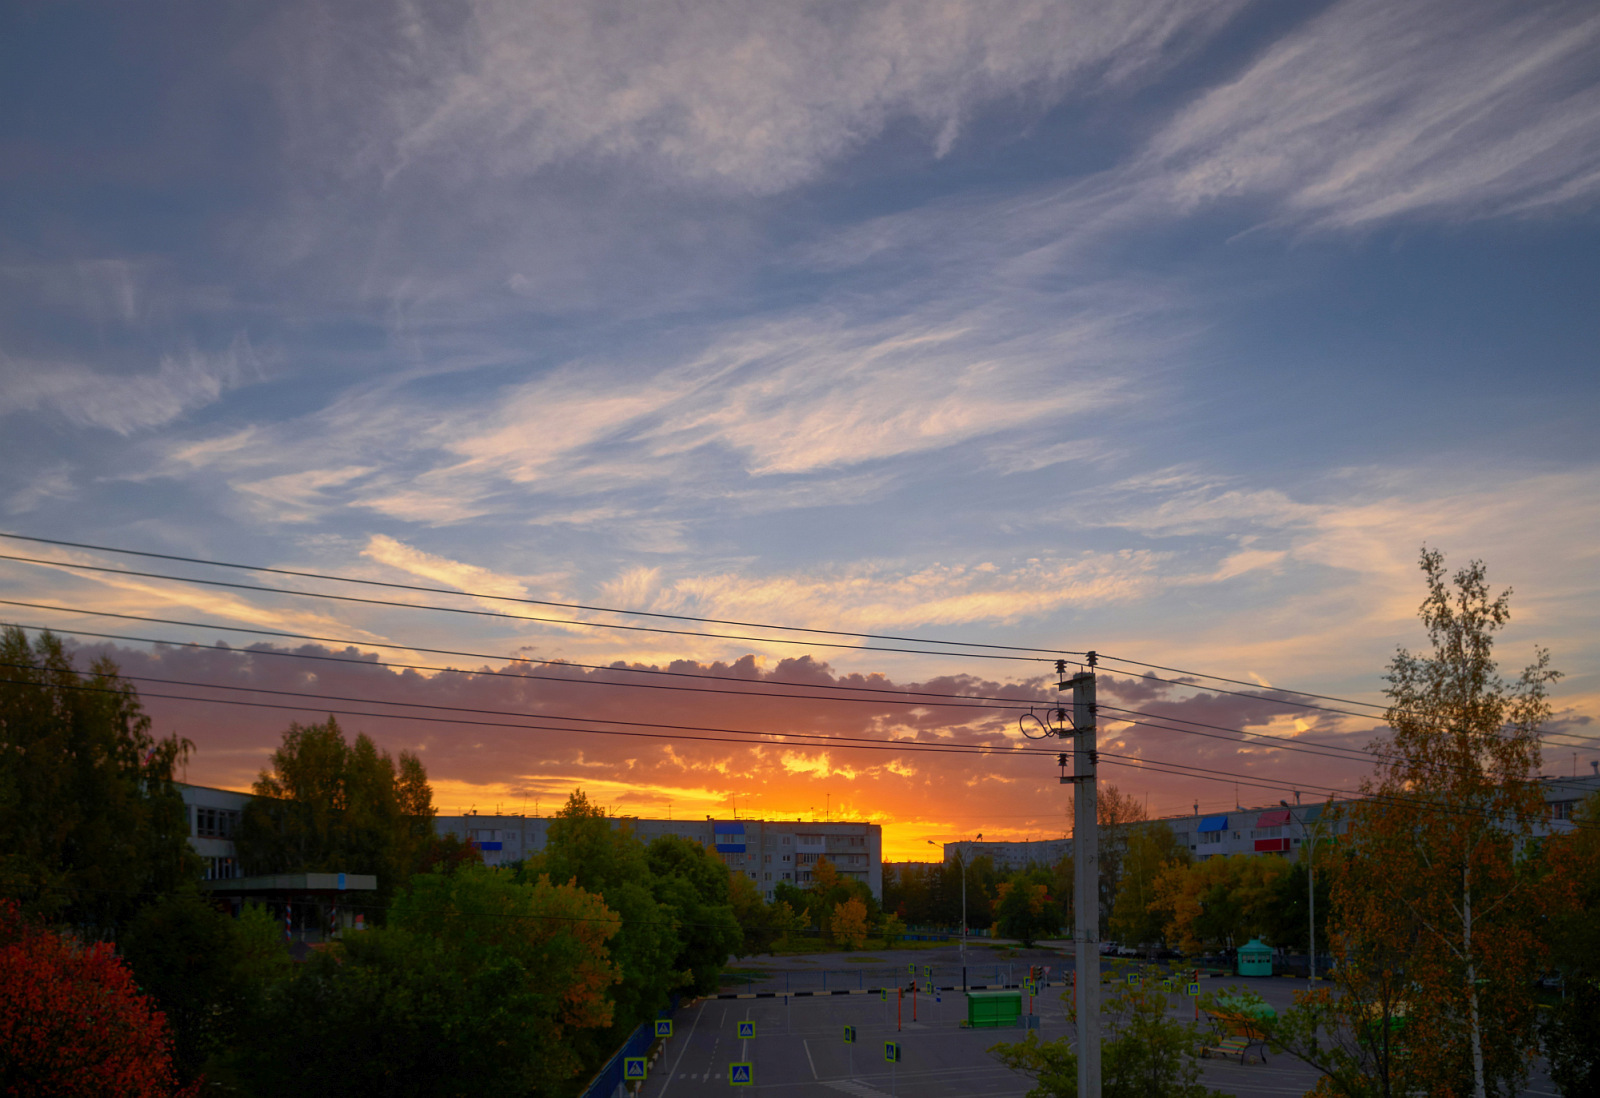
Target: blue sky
[{"x": 1169, "y": 329}]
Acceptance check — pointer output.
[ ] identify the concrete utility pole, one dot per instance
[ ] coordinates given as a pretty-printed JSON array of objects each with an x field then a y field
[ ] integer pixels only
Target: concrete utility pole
[
  {"x": 1311, "y": 887},
  {"x": 1086, "y": 872}
]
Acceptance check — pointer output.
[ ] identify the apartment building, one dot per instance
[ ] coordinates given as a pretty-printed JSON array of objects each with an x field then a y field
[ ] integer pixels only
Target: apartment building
[
  {"x": 1271, "y": 831},
  {"x": 767, "y": 851}
]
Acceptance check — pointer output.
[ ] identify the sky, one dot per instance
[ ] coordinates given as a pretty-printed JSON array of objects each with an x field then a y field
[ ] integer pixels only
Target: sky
[{"x": 1168, "y": 330}]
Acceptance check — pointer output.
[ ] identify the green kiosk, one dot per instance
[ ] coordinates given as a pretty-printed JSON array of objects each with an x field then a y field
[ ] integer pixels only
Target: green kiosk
[{"x": 1255, "y": 959}]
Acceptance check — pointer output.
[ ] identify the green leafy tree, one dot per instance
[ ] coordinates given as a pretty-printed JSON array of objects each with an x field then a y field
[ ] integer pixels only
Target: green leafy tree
[
  {"x": 326, "y": 804},
  {"x": 478, "y": 985},
  {"x": 892, "y": 927},
  {"x": 1145, "y": 1052},
  {"x": 1026, "y": 911},
  {"x": 195, "y": 961},
  {"x": 1150, "y": 849},
  {"x": 757, "y": 932},
  {"x": 693, "y": 884},
  {"x": 583, "y": 849},
  {"x": 1286, "y": 919},
  {"x": 91, "y": 825}
]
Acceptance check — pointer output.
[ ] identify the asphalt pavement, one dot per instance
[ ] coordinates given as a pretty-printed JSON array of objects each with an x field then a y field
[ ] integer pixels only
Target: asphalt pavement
[{"x": 796, "y": 1010}]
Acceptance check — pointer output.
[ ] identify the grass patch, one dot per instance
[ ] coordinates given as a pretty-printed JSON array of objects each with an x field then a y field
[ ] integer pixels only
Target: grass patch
[{"x": 864, "y": 961}]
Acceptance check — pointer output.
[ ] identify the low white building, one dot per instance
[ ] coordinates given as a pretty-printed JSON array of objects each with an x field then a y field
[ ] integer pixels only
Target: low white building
[{"x": 767, "y": 851}]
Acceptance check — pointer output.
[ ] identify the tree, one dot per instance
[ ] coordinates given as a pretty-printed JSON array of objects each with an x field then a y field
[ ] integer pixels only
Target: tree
[
  {"x": 478, "y": 985},
  {"x": 196, "y": 963},
  {"x": 690, "y": 881},
  {"x": 757, "y": 931},
  {"x": 1026, "y": 911},
  {"x": 893, "y": 927},
  {"x": 583, "y": 849},
  {"x": 1145, "y": 1053},
  {"x": 72, "y": 1021},
  {"x": 1216, "y": 903},
  {"x": 1151, "y": 848},
  {"x": 1287, "y": 920},
  {"x": 326, "y": 804},
  {"x": 849, "y": 923},
  {"x": 1437, "y": 872},
  {"x": 91, "y": 826},
  {"x": 1117, "y": 814},
  {"x": 1571, "y": 1028}
]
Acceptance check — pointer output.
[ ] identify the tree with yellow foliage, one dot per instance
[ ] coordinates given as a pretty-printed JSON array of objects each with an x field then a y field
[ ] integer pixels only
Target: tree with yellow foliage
[
  {"x": 1217, "y": 903},
  {"x": 849, "y": 923}
]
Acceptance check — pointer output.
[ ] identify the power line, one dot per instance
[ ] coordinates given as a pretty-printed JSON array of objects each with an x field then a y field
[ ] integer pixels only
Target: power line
[
  {"x": 1047, "y": 653},
  {"x": 1259, "y": 696},
  {"x": 794, "y": 739},
  {"x": 513, "y": 617},
  {"x": 826, "y": 737},
  {"x": 1179, "y": 769},
  {"x": 907, "y": 696}
]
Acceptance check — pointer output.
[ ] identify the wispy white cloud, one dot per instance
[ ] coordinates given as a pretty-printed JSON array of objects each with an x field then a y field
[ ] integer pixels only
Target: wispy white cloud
[
  {"x": 1375, "y": 109},
  {"x": 124, "y": 403},
  {"x": 755, "y": 96}
]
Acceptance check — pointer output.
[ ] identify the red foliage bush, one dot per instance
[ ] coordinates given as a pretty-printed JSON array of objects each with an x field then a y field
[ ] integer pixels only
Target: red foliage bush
[{"x": 72, "y": 1021}]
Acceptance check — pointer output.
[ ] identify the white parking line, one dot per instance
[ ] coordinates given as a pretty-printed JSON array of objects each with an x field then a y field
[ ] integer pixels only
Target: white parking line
[
  {"x": 668, "y": 1080},
  {"x": 807, "y": 1046}
]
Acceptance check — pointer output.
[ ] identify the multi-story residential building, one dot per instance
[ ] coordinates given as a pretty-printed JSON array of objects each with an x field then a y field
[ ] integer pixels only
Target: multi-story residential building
[
  {"x": 767, "y": 851},
  {"x": 1010, "y": 856},
  {"x": 1275, "y": 831}
]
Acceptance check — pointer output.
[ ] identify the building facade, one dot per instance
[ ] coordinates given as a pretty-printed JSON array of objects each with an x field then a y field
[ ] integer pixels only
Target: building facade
[
  {"x": 1273, "y": 832},
  {"x": 767, "y": 851}
]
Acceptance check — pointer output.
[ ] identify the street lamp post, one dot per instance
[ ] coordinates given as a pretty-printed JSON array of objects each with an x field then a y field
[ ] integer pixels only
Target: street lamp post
[
  {"x": 963, "y": 863},
  {"x": 1311, "y": 889}
]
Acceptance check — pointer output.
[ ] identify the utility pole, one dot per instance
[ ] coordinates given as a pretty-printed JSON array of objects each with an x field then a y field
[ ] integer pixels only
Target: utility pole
[{"x": 1085, "y": 869}]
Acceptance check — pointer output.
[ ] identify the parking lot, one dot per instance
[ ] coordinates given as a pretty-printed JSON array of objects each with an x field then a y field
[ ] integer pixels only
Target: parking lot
[{"x": 797, "y": 1045}]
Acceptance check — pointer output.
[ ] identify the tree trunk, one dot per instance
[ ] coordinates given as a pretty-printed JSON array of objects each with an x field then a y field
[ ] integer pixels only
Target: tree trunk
[{"x": 1479, "y": 1089}]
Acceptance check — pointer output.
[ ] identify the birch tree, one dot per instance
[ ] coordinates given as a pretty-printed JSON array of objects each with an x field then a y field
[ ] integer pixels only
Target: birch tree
[{"x": 1437, "y": 883}]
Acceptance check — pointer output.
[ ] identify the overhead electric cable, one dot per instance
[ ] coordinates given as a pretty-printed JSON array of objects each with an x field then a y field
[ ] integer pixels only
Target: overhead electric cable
[
  {"x": 827, "y": 738},
  {"x": 904, "y": 746},
  {"x": 905, "y": 696},
  {"x": 1046, "y": 653},
  {"x": 786, "y": 738}
]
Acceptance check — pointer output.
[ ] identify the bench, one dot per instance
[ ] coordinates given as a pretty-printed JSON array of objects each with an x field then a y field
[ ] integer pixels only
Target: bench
[{"x": 1229, "y": 1047}]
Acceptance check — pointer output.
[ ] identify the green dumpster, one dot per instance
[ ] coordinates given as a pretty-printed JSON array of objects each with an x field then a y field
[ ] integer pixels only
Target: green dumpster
[
  {"x": 993, "y": 1009},
  {"x": 1255, "y": 959}
]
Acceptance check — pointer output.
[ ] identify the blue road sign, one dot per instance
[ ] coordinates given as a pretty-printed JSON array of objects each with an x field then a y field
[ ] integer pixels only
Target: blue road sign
[
  {"x": 663, "y": 1027},
  {"x": 741, "y": 1075},
  {"x": 891, "y": 1052},
  {"x": 747, "y": 1030},
  {"x": 633, "y": 1067},
  {"x": 883, "y": 993},
  {"x": 1133, "y": 981},
  {"x": 927, "y": 970},
  {"x": 937, "y": 997},
  {"x": 1193, "y": 989},
  {"x": 849, "y": 1035}
]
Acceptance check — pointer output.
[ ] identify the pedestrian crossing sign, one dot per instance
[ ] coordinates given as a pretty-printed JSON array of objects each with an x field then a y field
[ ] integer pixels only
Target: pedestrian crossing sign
[
  {"x": 633, "y": 1067},
  {"x": 663, "y": 1027},
  {"x": 891, "y": 1052},
  {"x": 911, "y": 970},
  {"x": 741, "y": 1075},
  {"x": 883, "y": 993},
  {"x": 1194, "y": 989},
  {"x": 1133, "y": 980},
  {"x": 849, "y": 1035},
  {"x": 927, "y": 970},
  {"x": 747, "y": 1030}
]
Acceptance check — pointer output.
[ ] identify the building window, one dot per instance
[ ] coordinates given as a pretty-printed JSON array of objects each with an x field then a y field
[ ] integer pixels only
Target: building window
[
  {"x": 1266, "y": 833},
  {"x": 1207, "y": 837},
  {"x": 769, "y": 876}
]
